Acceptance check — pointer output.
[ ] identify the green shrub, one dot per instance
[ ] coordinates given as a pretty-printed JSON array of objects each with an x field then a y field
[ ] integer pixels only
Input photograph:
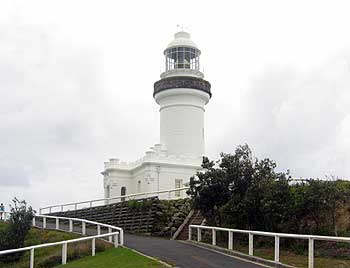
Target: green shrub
[{"x": 14, "y": 234}]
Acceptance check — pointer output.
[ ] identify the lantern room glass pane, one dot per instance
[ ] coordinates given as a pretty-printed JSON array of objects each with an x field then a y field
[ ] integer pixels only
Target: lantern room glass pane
[{"x": 182, "y": 58}]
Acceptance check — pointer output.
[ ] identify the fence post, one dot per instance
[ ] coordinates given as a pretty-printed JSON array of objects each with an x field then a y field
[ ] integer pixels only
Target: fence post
[
  {"x": 75, "y": 206},
  {"x": 214, "y": 237},
  {"x": 116, "y": 238},
  {"x": 50, "y": 210},
  {"x": 230, "y": 240},
  {"x": 83, "y": 228},
  {"x": 251, "y": 244},
  {"x": 70, "y": 226},
  {"x": 98, "y": 229},
  {"x": 277, "y": 248},
  {"x": 93, "y": 247},
  {"x": 44, "y": 223},
  {"x": 62, "y": 208},
  {"x": 64, "y": 253},
  {"x": 311, "y": 252},
  {"x": 57, "y": 223},
  {"x": 109, "y": 237},
  {"x": 34, "y": 221},
  {"x": 121, "y": 237},
  {"x": 169, "y": 195},
  {"x": 40, "y": 211},
  {"x": 91, "y": 204},
  {"x": 31, "y": 263},
  {"x": 199, "y": 234},
  {"x": 189, "y": 233}
]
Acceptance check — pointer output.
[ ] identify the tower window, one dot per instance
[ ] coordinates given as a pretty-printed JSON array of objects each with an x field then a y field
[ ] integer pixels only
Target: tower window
[
  {"x": 108, "y": 191},
  {"x": 122, "y": 193},
  {"x": 139, "y": 186},
  {"x": 178, "y": 185}
]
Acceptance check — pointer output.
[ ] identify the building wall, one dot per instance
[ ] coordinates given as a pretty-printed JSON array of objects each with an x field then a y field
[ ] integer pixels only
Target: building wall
[{"x": 148, "y": 177}]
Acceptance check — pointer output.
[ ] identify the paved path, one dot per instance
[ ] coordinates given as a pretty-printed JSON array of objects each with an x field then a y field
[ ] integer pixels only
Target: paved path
[
  {"x": 183, "y": 255},
  {"x": 179, "y": 254}
]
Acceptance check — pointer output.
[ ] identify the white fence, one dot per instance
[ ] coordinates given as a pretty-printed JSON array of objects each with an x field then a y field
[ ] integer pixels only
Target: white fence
[
  {"x": 277, "y": 236},
  {"x": 5, "y": 215},
  {"x": 113, "y": 232},
  {"x": 165, "y": 194}
]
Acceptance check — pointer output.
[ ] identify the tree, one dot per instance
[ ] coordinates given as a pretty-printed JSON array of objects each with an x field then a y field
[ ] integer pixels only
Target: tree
[
  {"x": 209, "y": 191},
  {"x": 241, "y": 191},
  {"x": 14, "y": 234}
]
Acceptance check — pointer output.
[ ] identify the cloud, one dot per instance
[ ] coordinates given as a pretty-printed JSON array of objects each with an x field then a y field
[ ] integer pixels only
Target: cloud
[
  {"x": 58, "y": 120},
  {"x": 48, "y": 124},
  {"x": 75, "y": 92},
  {"x": 300, "y": 119}
]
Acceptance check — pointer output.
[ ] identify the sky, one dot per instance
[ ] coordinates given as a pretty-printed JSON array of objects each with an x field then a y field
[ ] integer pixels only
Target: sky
[{"x": 76, "y": 84}]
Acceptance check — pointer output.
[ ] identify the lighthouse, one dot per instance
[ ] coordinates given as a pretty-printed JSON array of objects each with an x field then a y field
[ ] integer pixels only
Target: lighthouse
[{"x": 181, "y": 94}]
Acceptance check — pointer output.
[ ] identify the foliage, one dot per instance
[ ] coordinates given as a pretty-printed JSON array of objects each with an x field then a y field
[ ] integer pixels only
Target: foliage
[
  {"x": 170, "y": 215},
  {"x": 14, "y": 234},
  {"x": 241, "y": 191},
  {"x": 140, "y": 204}
]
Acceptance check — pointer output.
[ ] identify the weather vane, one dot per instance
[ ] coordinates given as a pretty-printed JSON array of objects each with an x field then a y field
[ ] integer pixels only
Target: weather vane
[{"x": 181, "y": 26}]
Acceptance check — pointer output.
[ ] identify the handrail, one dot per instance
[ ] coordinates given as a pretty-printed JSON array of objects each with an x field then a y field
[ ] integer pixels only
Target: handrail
[
  {"x": 277, "y": 236},
  {"x": 99, "y": 225},
  {"x": 107, "y": 200},
  {"x": 188, "y": 217},
  {"x": 8, "y": 251},
  {"x": 4, "y": 214},
  {"x": 113, "y": 231}
]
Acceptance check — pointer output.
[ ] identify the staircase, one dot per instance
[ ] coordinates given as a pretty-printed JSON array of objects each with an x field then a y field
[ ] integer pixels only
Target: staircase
[
  {"x": 194, "y": 218},
  {"x": 139, "y": 218}
]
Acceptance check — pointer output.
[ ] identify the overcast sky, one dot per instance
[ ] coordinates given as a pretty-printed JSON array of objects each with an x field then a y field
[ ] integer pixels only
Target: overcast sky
[{"x": 76, "y": 82}]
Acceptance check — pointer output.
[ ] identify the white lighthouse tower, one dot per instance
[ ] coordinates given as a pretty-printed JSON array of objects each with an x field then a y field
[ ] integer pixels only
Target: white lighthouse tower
[{"x": 182, "y": 94}]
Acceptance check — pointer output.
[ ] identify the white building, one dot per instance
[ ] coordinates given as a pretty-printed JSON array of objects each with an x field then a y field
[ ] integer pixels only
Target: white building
[{"x": 181, "y": 94}]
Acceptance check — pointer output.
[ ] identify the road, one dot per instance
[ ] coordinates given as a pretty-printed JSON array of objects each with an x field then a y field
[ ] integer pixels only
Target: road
[{"x": 176, "y": 253}]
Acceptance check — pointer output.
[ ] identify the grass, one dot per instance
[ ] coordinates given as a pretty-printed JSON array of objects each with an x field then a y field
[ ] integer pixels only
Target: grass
[
  {"x": 114, "y": 258},
  {"x": 301, "y": 261},
  {"x": 2, "y": 225}
]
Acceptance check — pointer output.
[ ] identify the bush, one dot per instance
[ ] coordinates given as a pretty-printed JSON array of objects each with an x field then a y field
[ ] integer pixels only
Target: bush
[
  {"x": 13, "y": 235},
  {"x": 243, "y": 192}
]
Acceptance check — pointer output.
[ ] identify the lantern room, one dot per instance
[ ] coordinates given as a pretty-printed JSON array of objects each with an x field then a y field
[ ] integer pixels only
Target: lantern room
[{"x": 182, "y": 57}]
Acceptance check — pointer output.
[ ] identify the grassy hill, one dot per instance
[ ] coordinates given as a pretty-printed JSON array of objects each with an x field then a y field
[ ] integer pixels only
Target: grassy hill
[{"x": 51, "y": 256}]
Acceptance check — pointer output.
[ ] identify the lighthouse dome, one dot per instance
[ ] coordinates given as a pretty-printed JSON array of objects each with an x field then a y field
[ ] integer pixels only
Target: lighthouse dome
[{"x": 182, "y": 39}]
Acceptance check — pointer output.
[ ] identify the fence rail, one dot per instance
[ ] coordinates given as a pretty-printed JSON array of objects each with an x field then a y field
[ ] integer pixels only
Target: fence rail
[
  {"x": 114, "y": 233},
  {"x": 4, "y": 215},
  {"x": 167, "y": 194},
  {"x": 277, "y": 236}
]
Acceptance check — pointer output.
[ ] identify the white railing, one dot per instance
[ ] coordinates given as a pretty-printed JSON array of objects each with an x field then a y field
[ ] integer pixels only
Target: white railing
[
  {"x": 277, "y": 236},
  {"x": 83, "y": 225},
  {"x": 5, "y": 215},
  {"x": 113, "y": 232},
  {"x": 167, "y": 194}
]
